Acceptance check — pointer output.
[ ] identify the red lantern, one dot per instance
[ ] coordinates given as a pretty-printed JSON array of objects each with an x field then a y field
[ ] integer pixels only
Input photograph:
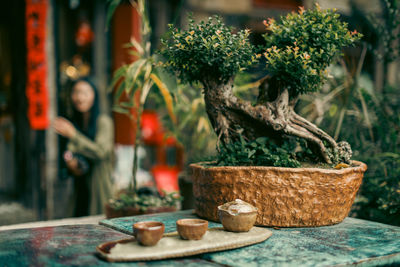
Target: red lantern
[
  {"x": 152, "y": 132},
  {"x": 84, "y": 35},
  {"x": 166, "y": 178},
  {"x": 170, "y": 141}
]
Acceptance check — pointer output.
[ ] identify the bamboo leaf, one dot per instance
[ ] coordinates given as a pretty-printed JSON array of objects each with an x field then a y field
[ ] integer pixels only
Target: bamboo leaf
[
  {"x": 127, "y": 45},
  {"x": 200, "y": 124},
  {"x": 166, "y": 95},
  {"x": 168, "y": 79},
  {"x": 145, "y": 91},
  {"x": 121, "y": 110},
  {"x": 248, "y": 86},
  {"x": 333, "y": 94},
  {"x": 112, "y": 6},
  {"x": 183, "y": 122},
  {"x": 133, "y": 53},
  {"x": 365, "y": 112},
  {"x": 339, "y": 124},
  {"x": 132, "y": 72},
  {"x": 195, "y": 104},
  {"x": 134, "y": 94},
  {"x": 361, "y": 61},
  {"x": 148, "y": 47},
  {"x": 148, "y": 69},
  {"x": 127, "y": 104},
  {"x": 207, "y": 126},
  {"x": 118, "y": 74},
  {"x": 137, "y": 46},
  {"x": 118, "y": 91},
  {"x": 135, "y": 72}
]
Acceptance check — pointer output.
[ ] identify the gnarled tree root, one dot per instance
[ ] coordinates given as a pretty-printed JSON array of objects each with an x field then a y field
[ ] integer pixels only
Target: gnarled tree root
[{"x": 232, "y": 116}]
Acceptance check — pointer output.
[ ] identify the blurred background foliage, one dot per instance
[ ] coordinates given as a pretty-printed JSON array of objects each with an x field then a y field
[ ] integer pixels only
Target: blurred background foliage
[
  {"x": 193, "y": 129},
  {"x": 352, "y": 106},
  {"x": 350, "y": 109}
]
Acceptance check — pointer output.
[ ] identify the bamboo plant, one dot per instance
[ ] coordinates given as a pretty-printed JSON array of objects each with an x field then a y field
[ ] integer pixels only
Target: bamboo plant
[{"x": 135, "y": 81}]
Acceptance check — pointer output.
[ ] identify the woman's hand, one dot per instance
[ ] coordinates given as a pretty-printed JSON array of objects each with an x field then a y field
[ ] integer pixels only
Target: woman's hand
[
  {"x": 73, "y": 167},
  {"x": 64, "y": 127},
  {"x": 72, "y": 163}
]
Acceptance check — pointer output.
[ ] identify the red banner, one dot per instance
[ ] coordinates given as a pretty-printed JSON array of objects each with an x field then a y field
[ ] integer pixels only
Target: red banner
[{"x": 36, "y": 86}]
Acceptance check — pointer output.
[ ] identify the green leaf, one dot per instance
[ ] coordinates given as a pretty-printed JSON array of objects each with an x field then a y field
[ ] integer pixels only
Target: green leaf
[
  {"x": 253, "y": 144},
  {"x": 119, "y": 91},
  {"x": 120, "y": 110},
  {"x": 166, "y": 96},
  {"x": 145, "y": 91},
  {"x": 127, "y": 104},
  {"x": 139, "y": 48},
  {"x": 251, "y": 153},
  {"x": 118, "y": 74},
  {"x": 168, "y": 79},
  {"x": 133, "y": 72},
  {"x": 112, "y": 6},
  {"x": 262, "y": 140},
  {"x": 242, "y": 141}
]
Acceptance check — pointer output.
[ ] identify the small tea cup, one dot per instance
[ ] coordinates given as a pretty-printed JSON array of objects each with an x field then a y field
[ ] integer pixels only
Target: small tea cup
[
  {"x": 148, "y": 233},
  {"x": 237, "y": 216},
  {"x": 191, "y": 229}
]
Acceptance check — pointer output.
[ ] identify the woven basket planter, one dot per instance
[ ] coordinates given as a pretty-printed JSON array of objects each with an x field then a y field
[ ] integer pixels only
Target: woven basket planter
[{"x": 285, "y": 197}]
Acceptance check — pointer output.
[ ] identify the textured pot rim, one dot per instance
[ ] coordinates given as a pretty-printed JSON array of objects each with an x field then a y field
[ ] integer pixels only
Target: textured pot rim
[{"x": 360, "y": 167}]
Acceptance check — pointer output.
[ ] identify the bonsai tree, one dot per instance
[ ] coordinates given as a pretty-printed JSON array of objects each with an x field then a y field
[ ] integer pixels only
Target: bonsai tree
[{"x": 298, "y": 50}]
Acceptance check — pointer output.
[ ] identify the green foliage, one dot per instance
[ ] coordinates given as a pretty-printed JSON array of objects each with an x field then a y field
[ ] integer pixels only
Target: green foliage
[
  {"x": 302, "y": 45},
  {"x": 349, "y": 107},
  {"x": 343, "y": 97},
  {"x": 387, "y": 29},
  {"x": 380, "y": 191},
  {"x": 193, "y": 129},
  {"x": 389, "y": 201},
  {"x": 144, "y": 201},
  {"x": 263, "y": 152},
  {"x": 207, "y": 52}
]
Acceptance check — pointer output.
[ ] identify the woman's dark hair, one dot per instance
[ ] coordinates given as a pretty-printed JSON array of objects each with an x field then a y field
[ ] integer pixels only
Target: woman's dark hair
[{"x": 77, "y": 117}]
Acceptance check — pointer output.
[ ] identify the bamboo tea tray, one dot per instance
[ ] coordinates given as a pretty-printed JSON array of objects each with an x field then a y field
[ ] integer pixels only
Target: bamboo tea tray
[{"x": 172, "y": 246}]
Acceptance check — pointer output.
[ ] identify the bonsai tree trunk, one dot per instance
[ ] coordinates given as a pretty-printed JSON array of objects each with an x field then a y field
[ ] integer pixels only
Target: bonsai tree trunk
[{"x": 275, "y": 118}]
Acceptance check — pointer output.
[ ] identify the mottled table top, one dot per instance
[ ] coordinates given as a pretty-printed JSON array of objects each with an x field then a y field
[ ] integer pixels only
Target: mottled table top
[
  {"x": 69, "y": 246},
  {"x": 351, "y": 242}
]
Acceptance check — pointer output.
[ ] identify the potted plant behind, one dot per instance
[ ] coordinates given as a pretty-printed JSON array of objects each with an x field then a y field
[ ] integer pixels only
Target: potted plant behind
[
  {"x": 268, "y": 155},
  {"x": 132, "y": 84}
]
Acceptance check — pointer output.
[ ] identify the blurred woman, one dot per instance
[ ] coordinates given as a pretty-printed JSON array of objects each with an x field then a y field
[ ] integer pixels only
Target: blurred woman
[{"x": 89, "y": 153}]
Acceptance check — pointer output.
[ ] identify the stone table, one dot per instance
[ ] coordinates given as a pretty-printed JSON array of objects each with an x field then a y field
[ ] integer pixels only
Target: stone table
[{"x": 352, "y": 242}]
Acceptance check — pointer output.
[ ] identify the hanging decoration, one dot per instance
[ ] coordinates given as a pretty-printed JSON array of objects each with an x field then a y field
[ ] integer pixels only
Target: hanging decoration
[
  {"x": 84, "y": 36},
  {"x": 36, "y": 86}
]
